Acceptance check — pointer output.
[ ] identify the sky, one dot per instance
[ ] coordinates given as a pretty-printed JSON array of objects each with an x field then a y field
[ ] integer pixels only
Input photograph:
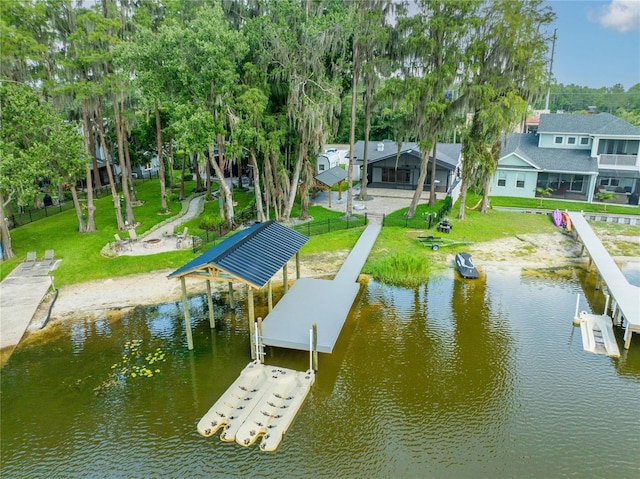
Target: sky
[{"x": 598, "y": 42}]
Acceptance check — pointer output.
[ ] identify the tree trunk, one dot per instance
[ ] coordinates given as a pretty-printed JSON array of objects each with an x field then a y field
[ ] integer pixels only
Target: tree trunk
[
  {"x": 127, "y": 158},
  {"x": 131, "y": 221},
  {"x": 196, "y": 167},
  {"x": 286, "y": 214},
  {"x": 78, "y": 208},
  {"x": 485, "y": 196},
  {"x": 432, "y": 187},
  {"x": 463, "y": 198},
  {"x": 224, "y": 188},
  {"x": 420, "y": 186},
  {"x": 114, "y": 192},
  {"x": 307, "y": 180},
  {"x": 352, "y": 130},
  {"x": 94, "y": 159},
  {"x": 90, "y": 226},
  {"x": 256, "y": 186},
  {"x": 364, "y": 179},
  {"x": 161, "y": 174},
  {"x": 182, "y": 172},
  {"x": 7, "y": 250}
]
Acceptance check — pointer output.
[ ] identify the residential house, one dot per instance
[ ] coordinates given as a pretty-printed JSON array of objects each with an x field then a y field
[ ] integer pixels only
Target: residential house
[
  {"x": 576, "y": 155},
  {"x": 390, "y": 166}
]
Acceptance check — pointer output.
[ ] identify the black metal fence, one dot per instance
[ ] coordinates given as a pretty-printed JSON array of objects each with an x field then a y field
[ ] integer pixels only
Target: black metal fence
[
  {"x": 212, "y": 237},
  {"x": 312, "y": 228},
  {"x": 428, "y": 220}
]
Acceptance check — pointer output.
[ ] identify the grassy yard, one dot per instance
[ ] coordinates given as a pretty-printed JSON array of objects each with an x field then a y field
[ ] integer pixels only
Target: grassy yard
[{"x": 397, "y": 257}]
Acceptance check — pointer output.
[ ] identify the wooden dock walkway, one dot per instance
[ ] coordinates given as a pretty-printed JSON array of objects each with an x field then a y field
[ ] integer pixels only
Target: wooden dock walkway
[
  {"x": 318, "y": 301},
  {"x": 626, "y": 297}
]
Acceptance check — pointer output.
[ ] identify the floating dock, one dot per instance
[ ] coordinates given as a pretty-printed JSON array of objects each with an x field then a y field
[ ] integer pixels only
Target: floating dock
[
  {"x": 597, "y": 334},
  {"x": 263, "y": 401}
]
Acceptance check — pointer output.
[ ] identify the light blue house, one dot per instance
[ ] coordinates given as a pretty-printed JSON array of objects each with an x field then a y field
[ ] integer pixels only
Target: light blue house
[{"x": 576, "y": 155}]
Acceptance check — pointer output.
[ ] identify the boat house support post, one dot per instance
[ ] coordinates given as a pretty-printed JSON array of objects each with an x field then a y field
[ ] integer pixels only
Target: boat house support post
[
  {"x": 260, "y": 350},
  {"x": 285, "y": 279},
  {"x": 187, "y": 318},
  {"x": 270, "y": 295},
  {"x": 589, "y": 263},
  {"x": 598, "y": 280},
  {"x": 212, "y": 319},
  {"x": 252, "y": 326},
  {"x": 232, "y": 302},
  {"x": 297, "y": 265},
  {"x": 606, "y": 304},
  {"x": 314, "y": 347}
]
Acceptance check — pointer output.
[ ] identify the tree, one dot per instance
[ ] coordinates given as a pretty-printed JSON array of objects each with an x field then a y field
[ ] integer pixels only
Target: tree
[
  {"x": 369, "y": 44},
  {"x": 299, "y": 48},
  {"x": 507, "y": 71},
  {"x": 35, "y": 143},
  {"x": 433, "y": 53}
]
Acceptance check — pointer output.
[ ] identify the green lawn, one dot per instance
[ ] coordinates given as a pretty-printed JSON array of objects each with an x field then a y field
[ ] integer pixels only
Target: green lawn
[{"x": 397, "y": 256}]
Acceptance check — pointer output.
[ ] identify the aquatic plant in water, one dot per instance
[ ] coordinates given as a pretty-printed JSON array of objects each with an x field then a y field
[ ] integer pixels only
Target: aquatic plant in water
[{"x": 137, "y": 363}]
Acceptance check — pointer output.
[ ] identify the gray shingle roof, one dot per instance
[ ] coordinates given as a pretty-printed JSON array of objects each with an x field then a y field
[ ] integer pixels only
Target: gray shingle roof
[
  {"x": 525, "y": 145},
  {"x": 583, "y": 124},
  {"x": 332, "y": 176},
  {"x": 447, "y": 153},
  {"x": 252, "y": 255}
]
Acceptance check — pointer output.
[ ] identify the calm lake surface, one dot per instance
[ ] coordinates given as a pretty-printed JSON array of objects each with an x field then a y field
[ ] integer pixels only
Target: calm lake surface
[{"x": 455, "y": 378}]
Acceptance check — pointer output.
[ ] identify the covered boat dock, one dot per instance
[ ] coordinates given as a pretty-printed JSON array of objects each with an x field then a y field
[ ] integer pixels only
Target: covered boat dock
[{"x": 251, "y": 256}]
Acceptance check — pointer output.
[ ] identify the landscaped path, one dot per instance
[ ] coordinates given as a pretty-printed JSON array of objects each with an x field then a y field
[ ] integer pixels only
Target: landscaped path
[{"x": 164, "y": 238}]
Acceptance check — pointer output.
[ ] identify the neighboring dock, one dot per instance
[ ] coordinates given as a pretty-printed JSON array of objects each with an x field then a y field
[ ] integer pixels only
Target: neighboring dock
[
  {"x": 597, "y": 334},
  {"x": 625, "y": 296}
]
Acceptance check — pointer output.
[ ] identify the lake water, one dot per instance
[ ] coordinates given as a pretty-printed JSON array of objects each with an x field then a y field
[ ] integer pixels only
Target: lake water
[{"x": 455, "y": 378}]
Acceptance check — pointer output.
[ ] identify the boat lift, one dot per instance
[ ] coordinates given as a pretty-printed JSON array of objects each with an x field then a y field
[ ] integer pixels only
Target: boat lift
[{"x": 437, "y": 242}]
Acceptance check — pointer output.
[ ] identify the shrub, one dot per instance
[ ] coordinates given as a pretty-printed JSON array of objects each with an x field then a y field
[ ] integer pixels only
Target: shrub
[{"x": 210, "y": 223}]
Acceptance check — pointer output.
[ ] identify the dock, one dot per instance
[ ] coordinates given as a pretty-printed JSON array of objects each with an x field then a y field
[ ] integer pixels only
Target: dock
[
  {"x": 625, "y": 304},
  {"x": 325, "y": 303},
  {"x": 597, "y": 334},
  {"x": 262, "y": 402}
]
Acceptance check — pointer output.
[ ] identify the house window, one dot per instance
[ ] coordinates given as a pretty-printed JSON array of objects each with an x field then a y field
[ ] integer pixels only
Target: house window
[
  {"x": 320, "y": 167},
  {"x": 558, "y": 140},
  {"x": 519, "y": 180},
  {"x": 584, "y": 140},
  {"x": 571, "y": 140},
  {"x": 502, "y": 178},
  {"x": 577, "y": 182},
  {"x": 392, "y": 175}
]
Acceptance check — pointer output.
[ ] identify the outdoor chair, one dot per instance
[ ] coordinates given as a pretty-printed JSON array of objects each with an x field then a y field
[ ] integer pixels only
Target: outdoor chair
[
  {"x": 48, "y": 258},
  {"x": 181, "y": 237},
  {"x": 31, "y": 259},
  {"x": 120, "y": 243}
]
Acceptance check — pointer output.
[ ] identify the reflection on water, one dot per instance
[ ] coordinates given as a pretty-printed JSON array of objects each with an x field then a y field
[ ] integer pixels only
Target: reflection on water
[{"x": 455, "y": 378}]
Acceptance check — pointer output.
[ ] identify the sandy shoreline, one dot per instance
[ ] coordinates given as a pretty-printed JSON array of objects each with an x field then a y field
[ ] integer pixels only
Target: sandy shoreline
[{"x": 96, "y": 298}]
